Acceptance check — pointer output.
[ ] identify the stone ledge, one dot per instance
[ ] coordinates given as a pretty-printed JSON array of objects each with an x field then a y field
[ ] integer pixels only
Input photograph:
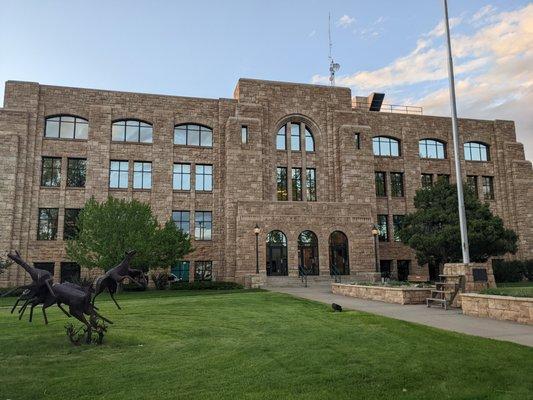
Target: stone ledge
[
  {"x": 386, "y": 294},
  {"x": 509, "y": 308}
]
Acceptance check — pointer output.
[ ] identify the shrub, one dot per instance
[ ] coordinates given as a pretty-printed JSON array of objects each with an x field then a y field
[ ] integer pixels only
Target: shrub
[
  {"x": 205, "y": 285},
  {"x": 514, "y": 292},
  {"x": 512, "y": 271},
  {"x": 133, "y": 287},
  {"x": 160, "y": 280}
]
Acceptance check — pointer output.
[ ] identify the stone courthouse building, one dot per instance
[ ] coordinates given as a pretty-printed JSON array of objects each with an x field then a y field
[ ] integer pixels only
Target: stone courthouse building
[{"x": 313, "y": 168}]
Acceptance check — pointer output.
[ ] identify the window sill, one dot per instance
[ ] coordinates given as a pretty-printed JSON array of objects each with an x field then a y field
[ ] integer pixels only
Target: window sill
[
  {"x": 141, "y": 190},
  {"x": 194, "y": 146},
  {"x": 433, "y": 159},
  {"x": 183, "y": 191},
  {"x": 50, "y": 187},
  {"x": 128, "y": 142},
  {"x": 75, "y": 187},
  {"x": 204, "y": 191},
  {"x": 64, "y": 139},
  {"x": 478, "y": 161},
  {"x": 114, "y": 189},
  {"x": 389, "y": 157}
]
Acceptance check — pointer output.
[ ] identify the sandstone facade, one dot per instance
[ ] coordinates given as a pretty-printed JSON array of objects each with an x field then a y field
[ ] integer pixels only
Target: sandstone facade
[{"x": 244, "y": 173}]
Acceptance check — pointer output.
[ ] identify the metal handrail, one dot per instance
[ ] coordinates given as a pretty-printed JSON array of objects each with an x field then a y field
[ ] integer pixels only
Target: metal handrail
[
  {"x": 391, "y": 108},
  {"x": 303, "y": 274},
  {"x": 336, "y": 273}
]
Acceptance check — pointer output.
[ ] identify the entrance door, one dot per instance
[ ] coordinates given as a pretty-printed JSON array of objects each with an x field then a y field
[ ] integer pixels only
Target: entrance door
[
  {"x": 338, "y": 254},
  {"x": 403, "y": 269},
  {"x": 181, "y": 271},
  {"x": 385, "y": 268},
  {"x": 308, "y": 253},
  {"x": 276, "y": 254}
]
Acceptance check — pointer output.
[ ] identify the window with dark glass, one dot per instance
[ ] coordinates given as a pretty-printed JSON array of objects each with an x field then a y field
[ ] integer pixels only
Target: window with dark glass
[
  {"x": 488, "y": 188},
  {"x": 70, "y": 272},
  {"x": 76, "y": 172},
  {"x": 308, "y": 262},
  {"x": 295, "y": 137},
  {"x": 281, "y": 138},
  {"x": 431, "y": 148},
  {"x": 427, "y": 180},
  {"x": 297, "y": 184},
  {"x": 403, "y": 267},
  {"x": 397, "y": 222},
  {"x": 276, "y": 254},
  {"x": 182, "y": 220},
  {"x": 131, "y": 130},
  {"x": 443, "y": 177},
  {"x": 310, "y": 184},
  {"x": 281, "y": 183},
  {"x": 339, "y": 260},
  {"x": 244, "y": 134},
  {"x": 193, "y": 135},
  {"x": 202, "y": 225},
  {"x": 381, "y": 184},
  {"x": 204, "y": 178},
  {"x": 357, "y": 141},
  {"x": 203, "y": 270},
  {"x": 471, "y": 181},
  {"x": 142, "y": 175},
  {"x": 396, "y": 183},
  {"x": 309, "y": 140},
  {"x": 181, "y": 177},
  {"x": 51, "y": 171},
  {"x": 383, "y": 228},
  {"x": 47, "y": 224},
  {"x": 70, "y": 228},
  {"x": 385, "y": 146},
  {"x": 475, "y": 151},
  {"x": 66, "y": 127},
  {"x": 47, "y": 266},
  {"x": 118, "y": 174}
]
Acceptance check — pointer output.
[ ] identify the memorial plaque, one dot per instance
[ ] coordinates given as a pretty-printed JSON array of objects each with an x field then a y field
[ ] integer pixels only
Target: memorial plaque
[{"x": 480, "y": 274}]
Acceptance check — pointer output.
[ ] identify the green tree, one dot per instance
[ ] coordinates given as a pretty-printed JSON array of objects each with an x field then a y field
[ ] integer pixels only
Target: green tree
[
  {"x": 106, "y": 230},
  {"x": 433, "y": 229}
]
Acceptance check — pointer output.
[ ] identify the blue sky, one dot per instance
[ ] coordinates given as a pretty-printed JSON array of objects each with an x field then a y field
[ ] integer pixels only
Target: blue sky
[{"x": 201, "y": 48}]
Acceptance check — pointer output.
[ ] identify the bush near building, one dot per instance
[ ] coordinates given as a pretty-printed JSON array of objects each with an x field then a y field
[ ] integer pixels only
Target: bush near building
[{"x": 513, "y": 271}]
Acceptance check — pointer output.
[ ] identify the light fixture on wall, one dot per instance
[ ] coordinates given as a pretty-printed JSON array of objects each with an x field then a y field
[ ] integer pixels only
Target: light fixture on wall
[
  {"x": 375, "y": 233},
  {"x": 257, "y": 230}
]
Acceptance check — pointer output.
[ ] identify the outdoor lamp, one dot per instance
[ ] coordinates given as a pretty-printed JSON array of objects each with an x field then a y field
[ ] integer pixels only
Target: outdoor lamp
[{"x": 256, "y": 231}]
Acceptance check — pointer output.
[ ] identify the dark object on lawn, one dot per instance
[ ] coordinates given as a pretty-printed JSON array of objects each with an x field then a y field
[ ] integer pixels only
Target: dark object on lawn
[
  {"x": 116, "y": 275},
  {"x": 336, "y": 307}
]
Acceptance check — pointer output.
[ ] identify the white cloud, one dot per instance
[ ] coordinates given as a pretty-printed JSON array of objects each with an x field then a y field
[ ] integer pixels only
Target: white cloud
[
  {"x": 345, "y": 21},
  {"x": 483, "y": 13},
  {"x": 312, "y": 33},
  {"x": 439, "y": 29},
  {"x": 494, "y": 78}
]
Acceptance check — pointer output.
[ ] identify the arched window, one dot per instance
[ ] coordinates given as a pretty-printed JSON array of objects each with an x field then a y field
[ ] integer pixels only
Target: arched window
[
  {"x": 431, "y": 148},
  {"x": 276, "y": 254},
  {"x": 386, "y": 146},
  {"x": 131, "y": 130},
  {"x": 295, "y": 137},
  {"x": 193, "y": 135},
  {"x": 66, "y": 127},
  {"x": 309, "y": 140},
  {"x": 338, "y": 254},
  {"x": 308, "y": 253},
  {"x": 476, "y": 151}
]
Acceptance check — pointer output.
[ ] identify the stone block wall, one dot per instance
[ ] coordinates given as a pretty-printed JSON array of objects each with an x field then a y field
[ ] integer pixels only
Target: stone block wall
[
  {"x": 383, "y": 293},
  {"x": 516, "y": 309}
]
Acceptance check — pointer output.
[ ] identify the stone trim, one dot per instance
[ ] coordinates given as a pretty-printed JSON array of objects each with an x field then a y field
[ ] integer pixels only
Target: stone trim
[
  {"x": 509, "y": 308},
  {"x": 381, "y": 293}
]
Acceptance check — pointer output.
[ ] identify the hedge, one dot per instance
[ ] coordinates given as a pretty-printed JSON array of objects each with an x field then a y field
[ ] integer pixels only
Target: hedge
[
  {"x": 205, "y": 285},
  {"x": 513, "y": 271}
]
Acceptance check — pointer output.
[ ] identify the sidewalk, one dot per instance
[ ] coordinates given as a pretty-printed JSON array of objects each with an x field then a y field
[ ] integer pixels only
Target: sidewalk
[{"x": 452, "y": 320}]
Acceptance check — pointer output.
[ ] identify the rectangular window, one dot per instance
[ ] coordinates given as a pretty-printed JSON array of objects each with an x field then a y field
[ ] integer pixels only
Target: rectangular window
[
  {"x": 357, "y": 141},
  {"x": 427, "y": 180},
  {"x": 310, "y": 184},
  {"x": 47, "y": 266},
  {"x": 488, "y": 188},
  {"x": 381, "y": 184},
  {"x": 296, "y": 184},
  {"x": 295, "y": 137},
  {"x": 70, "y": 228},
  {"x": 76, "y": 172},
  {"x": 118, "y": 174},
  {"x": 396, "y": 182},
  {"x": 203, "y": 270},
  {"x": 471, "y": 181},
  {"x": 47, "y": 224},
  {"x": 281, "y": 138},
  {"x": 204, "y": 178},
  {"x": 397, "y": 221},
  {"x": 51, "y": 171},
  {"x": 403, "y": 267},
  {"x": 443, "y": 177},
  {"x": 383, "y": 228},
  {"x": 202, "y": 225},
  {"x": 182, "y": 220},
  {"x": 142, "y": 175},
  {"x": 281, "y": 183},
  {"x": 181, "y": 177},
  {"x": 70, "y": 272},
  {"x": 244, "y": 134}
]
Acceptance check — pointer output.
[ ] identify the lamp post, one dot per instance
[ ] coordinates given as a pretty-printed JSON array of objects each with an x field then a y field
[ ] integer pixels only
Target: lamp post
[
  {"x": 375, "y": 233},
  {"x": 256, "y": 231}
]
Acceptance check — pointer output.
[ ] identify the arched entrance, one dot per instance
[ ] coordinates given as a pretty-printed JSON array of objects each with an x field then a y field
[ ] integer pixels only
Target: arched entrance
[
  {"x": 308, "y": 253},
  {"x": 338, "y": 254},
  {"x": 276, "y": 254}
]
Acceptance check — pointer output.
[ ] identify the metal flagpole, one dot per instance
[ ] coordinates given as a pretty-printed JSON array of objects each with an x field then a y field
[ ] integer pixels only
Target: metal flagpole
[{"x": 458, "y": 175}]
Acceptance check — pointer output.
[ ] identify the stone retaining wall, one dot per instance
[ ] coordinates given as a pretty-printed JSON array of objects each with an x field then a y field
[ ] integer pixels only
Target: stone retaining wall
[
  {"x": 399, "y": 295},
  {"x": 517, "y": 309}
]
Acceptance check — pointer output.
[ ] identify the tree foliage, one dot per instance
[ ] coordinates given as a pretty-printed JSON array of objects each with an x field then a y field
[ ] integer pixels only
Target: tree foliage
[
  {"x": 106, "y": 230},
  {"x": 433, "y": 229}
]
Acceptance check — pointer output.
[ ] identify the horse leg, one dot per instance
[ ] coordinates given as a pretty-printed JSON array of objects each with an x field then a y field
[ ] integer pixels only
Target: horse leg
[
  {"x": 31, "y": 311},
  {"x": 102, "y": 317},
  {"x": 44, "y": 315},
  {"x": 16, "y": 304},
  {"x": 80, "y": 317},
  {"x": 24, "y": 305},
  {"x": 62, "y": 309},
  {"x": 113, "y": 297}
]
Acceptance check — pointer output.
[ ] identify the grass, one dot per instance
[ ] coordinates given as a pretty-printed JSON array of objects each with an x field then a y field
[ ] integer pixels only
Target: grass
[
  {"x": 516, "y": 289},
  {"x": 253, "y": 345}
]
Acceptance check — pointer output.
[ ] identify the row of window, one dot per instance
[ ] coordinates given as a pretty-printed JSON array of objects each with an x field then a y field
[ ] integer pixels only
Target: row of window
[
  {"x": 289, "y": 137},
  {"x": 51, "y": 172},
  {"x": 47, "y": 225},
  {"x": 384, "y": 146},
  {"x": 296, "y": 184},
  {"x": 396, "y": 184},
  {"x": 487, "y": 185},
  {"x": 383, "y": 227}
]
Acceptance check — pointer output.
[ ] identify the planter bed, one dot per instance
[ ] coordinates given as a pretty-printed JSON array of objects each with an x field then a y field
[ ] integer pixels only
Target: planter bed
[
  {"x": 517, "y": 309},
  {"x": 387, "y": 294}
]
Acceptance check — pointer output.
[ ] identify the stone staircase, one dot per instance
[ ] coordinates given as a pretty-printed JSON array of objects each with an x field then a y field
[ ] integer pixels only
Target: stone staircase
[
  {"x": 297, "y": 281},
  {"x": 445, "y": 293}
]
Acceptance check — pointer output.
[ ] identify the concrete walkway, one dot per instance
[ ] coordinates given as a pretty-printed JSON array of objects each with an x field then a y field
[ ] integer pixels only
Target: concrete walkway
[{"x": 452, "y": 320}]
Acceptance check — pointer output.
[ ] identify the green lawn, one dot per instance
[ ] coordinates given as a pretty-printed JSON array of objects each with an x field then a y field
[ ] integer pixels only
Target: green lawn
[
  {"x": 519, "y": 289},
  {"x": 253, "y": 345}
]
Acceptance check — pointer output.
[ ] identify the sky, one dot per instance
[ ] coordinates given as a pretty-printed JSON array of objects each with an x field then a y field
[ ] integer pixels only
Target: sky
[{"x": 201, "y": 48}]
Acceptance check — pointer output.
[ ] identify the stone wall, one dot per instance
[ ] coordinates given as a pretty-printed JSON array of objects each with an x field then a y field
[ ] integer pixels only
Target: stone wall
[
  {"x": 382, "y": 293},
  {"x": 517, "y": 309}
]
